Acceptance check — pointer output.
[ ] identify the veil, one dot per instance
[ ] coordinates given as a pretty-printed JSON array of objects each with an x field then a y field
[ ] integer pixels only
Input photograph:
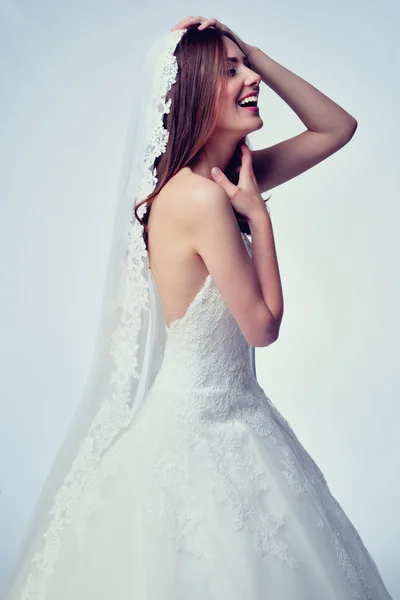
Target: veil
[{"x": 130, "y": 340}]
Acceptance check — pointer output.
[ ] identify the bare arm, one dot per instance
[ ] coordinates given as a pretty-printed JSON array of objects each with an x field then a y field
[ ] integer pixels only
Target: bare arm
[
  {"x": 247, "y": 200},
  {"x": 266, "y": 265},
  {"x": 210, "y": 223},
  {"x": 329, "y": 126}
]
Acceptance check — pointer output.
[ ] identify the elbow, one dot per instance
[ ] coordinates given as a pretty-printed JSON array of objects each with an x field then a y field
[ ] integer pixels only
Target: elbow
[
  {"x": 263, "y": 329},
  {"x": 352, "y": 128},
  {"x": 264, "y": 340},
  {"x": 272, "y": 335},
  {"x": 266, "y": 336},
  {"x": 348, "y": 131}
]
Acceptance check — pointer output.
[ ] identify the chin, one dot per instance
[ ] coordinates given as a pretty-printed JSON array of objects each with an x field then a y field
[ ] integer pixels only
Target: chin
[
  {"x": 261, "y": 122},
  {"x": 258, "y": 124}
]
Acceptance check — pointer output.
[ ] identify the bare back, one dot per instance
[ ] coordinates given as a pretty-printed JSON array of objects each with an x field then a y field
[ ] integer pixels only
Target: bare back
[{"x": 178, "y": 270}]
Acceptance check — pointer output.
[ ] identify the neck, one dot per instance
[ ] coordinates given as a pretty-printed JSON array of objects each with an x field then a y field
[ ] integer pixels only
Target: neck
[{"x": 217, "y": 152}]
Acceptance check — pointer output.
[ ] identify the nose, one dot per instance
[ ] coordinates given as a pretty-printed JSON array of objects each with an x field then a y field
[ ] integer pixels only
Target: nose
[{"x": 252, "y": 77}]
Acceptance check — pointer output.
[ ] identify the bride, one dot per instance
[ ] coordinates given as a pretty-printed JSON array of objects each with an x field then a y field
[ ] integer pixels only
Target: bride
[{"x": 179, "y": 478}]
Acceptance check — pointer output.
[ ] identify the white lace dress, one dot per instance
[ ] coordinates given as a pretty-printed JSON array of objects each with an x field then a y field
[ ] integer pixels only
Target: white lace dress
[{"x": 208, "y": 495}]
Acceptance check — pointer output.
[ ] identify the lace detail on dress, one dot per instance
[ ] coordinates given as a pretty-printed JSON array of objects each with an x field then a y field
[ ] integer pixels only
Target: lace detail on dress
[
  {"x": 213, "y": 428},
  {"x": 115, "y": 412},
  {"x": 208, "y": 436},
  {"x": 209, "y": 422},
  {"x": 218, "y": 367}
]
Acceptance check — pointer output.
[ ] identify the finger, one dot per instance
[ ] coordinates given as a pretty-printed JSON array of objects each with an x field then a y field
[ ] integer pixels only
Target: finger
[
  {"x": 249, "y": 156},
  {"x": 193, "y": 20},
  {"x": 247, "y": 163},
  {"x": 180, "y": 24},
  {"x": 186, "y": 24},
  {"x": 206, "y": 23},
  {"x": 220, "y": 178},
  {"x": 183, "y": 20},
  {"x": 246, "y": 172}
]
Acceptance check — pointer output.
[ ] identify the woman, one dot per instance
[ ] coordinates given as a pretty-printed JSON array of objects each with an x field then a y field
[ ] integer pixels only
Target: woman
[{"x": 205, "y": 492}]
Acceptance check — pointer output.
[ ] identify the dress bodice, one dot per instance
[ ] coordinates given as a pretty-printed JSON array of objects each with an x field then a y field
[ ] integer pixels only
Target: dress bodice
[{"x": 206, "y": 348}]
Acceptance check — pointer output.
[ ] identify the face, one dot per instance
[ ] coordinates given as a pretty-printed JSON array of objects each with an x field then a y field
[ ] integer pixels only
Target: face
[{"x": 241, "y": 82}]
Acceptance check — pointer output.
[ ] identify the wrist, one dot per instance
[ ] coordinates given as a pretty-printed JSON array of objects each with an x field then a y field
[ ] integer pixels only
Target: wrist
[
  {"x": 250, "y": 51},
  {"x": 258, "y": 215},
  {"x": 245, "y": 48}
]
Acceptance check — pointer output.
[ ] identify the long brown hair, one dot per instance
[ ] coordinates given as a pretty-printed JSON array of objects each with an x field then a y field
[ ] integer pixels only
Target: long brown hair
[{"x": 202, "y": 76}]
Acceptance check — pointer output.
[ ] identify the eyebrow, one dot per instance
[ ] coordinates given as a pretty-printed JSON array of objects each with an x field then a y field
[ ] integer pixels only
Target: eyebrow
[{"x": 234, "y": 59}]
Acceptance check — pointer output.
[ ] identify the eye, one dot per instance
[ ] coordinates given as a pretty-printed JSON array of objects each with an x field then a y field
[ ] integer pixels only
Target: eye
[{"x": 230, "y": 71}]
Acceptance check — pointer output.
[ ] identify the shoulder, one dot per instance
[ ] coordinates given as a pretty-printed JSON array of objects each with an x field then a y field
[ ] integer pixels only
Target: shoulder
[
  {"x": 191, "y": 197},
  {"x": 186, "y": 183}
]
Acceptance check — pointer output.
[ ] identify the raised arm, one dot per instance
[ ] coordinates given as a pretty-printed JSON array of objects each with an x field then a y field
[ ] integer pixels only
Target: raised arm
[{"x": 329, "y": 127}]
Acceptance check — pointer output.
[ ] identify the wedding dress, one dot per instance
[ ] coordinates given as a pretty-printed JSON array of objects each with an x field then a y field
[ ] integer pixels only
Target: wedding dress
[
  {"x": 209, "y": 494},
  {"x": 205, "y": 493}
]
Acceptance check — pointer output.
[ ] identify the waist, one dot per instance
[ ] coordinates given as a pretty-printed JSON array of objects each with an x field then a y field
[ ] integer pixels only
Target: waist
[{"x": 190, "y": 408}]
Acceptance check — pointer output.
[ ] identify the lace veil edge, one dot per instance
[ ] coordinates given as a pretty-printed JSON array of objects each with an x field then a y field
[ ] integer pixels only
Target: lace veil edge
[{"x": 130, "y": 339}]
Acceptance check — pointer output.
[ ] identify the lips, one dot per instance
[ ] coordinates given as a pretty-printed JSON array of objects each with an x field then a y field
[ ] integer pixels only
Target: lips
[{"x": 247, "y": 95}]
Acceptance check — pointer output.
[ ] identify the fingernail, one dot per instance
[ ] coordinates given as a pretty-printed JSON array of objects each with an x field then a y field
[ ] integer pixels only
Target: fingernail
[{"x": 215, "y": 171}]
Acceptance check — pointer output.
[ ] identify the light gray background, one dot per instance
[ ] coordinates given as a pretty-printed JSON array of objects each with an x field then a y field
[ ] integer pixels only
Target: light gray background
[{"x": 67, "y": 77}]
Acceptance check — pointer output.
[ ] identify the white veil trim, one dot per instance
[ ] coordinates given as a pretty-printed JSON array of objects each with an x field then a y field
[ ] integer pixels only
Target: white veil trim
[{"x": 130, "y": 339}]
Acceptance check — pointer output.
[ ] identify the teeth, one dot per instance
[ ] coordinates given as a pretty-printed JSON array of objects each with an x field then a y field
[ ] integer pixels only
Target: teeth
[{"x": 247, "y": 100}]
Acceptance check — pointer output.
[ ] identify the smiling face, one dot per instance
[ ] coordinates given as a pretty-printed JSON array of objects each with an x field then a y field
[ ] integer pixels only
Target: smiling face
[{"x": 241, "y": 82}]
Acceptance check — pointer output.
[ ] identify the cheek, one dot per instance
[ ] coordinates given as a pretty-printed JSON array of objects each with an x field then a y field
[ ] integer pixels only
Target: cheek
[
  {"x": 229, "y": 100},
  {"x": 227, "y": 103},
  {"x": 232, "y": 95}
]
